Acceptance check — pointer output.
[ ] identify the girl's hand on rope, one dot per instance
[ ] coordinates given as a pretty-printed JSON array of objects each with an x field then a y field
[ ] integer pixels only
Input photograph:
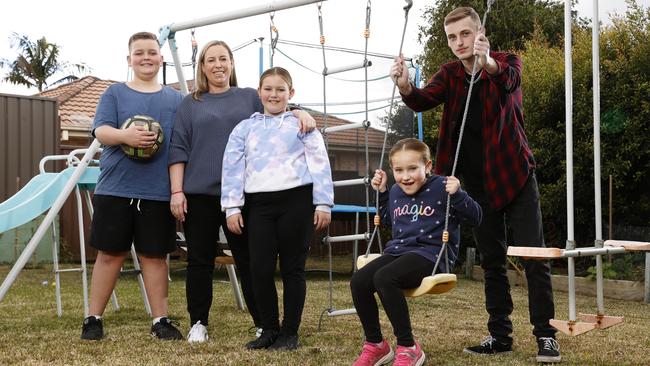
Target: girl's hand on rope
[
  {"x": 378, "y": 182},
  {"x": 235, "y": 223},
  {"x": 321, "y": 219},
  {"x": 452, "y": 184},
  {"x": 399, "y": 73},
  {"x": 482, "y": 53},
  {"x": 178, "y": 206},
  {"x": 305, "y": 121}
]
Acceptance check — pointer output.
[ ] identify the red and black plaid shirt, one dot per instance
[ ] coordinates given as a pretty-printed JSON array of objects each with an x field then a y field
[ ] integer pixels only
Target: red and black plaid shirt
[{"x": 508, "y": 160}]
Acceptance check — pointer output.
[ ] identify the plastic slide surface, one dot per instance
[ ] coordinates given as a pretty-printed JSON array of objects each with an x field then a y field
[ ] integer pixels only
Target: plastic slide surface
[{"x": 38, "y": 195}]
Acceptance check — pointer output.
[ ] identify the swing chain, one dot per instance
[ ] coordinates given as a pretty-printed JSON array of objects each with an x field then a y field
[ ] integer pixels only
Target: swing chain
[
  {"x": 366, "y": 32},
  {"x": 274, "y": 35},
  {"x": 320, "y": 23}
]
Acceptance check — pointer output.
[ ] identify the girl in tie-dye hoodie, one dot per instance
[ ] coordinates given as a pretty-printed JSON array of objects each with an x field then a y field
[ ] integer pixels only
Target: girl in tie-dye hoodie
[{"x": 277, "y": 181}]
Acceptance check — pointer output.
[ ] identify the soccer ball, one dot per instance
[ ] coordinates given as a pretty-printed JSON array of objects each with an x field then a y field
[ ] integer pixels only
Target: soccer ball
[{"x": 151, "y": 125}]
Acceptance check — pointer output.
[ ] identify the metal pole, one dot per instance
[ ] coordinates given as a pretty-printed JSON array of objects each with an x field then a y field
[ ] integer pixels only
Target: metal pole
[
  {"x": 49, "y": 218},
  {"x": 355, "y": 248},
  {"x": 342, "y": 49},
  {"x": 178, "y": 65},
  {"x": 568, "y": 101},
  {"x": 243, "y": 13},
  {"x": 55, "y": 269},
  {"x": 611, "y": 208},
  {"x": 419, "y": 114},
  {"x": 647, "y": 278},
  {"x": 82, "y": 249},
  {"x": 595, "y": 39},
  {"x": 261, "y": 69}
]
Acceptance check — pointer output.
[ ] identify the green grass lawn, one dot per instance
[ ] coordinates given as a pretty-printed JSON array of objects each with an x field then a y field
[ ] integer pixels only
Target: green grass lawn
[{"x": 32, "y": 334}]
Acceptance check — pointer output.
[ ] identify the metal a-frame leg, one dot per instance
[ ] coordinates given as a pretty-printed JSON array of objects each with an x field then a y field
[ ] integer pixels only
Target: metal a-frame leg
[{"x": 143, "y": 290}]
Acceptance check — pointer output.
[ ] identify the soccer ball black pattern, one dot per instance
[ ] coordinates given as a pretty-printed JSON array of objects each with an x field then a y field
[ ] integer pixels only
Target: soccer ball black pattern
[{"x": 151, "y": 125}]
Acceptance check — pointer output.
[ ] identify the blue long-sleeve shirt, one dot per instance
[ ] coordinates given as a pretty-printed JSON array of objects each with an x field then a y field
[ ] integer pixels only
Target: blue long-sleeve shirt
[
  {"x": 269, "y": 154},
  {"x": 418, "y": 221}
]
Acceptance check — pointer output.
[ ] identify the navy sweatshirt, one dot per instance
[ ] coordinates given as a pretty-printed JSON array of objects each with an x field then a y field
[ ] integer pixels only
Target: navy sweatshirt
[{"x": 418, "y": 221}]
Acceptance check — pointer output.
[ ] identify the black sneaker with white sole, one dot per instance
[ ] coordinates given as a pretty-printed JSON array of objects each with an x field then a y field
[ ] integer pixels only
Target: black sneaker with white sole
[
  {"x": 92, "y": 329},
  {"x": 549, "y": 350},
  {"x": 165, "y": 330},
  {"x": 489, "y": 346}
]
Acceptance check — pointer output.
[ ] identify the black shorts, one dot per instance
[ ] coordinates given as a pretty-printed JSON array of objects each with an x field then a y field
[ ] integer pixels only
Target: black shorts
[{"x": 118, "y": 222}]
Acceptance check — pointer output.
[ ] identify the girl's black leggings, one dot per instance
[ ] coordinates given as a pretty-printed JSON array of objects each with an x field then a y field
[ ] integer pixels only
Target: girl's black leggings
[{"x": 388, "y": 276}]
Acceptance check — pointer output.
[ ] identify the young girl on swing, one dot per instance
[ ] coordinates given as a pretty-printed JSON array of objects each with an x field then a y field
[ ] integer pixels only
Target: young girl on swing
[
  {"x": 283, "y": 176},
  {"x": 415, "y": 207}
]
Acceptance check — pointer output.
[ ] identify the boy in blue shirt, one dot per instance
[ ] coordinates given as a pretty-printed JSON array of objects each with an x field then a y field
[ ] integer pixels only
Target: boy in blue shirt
[{"x": 131, "y": 201}]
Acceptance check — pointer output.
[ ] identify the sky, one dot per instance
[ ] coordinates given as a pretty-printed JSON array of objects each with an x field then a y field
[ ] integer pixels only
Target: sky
[{"x": 97, "y": 35}]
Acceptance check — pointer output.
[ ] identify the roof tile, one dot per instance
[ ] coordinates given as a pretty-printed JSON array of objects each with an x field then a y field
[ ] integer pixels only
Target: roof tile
[{"x": 78, "y": 100}]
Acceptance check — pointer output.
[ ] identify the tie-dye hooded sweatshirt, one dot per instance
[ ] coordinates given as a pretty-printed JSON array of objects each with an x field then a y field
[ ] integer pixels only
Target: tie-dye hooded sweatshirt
[{"x": 269, "y": 154}]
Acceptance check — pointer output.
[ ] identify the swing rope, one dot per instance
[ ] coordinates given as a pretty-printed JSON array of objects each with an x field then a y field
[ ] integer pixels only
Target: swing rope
[
  {"x": 274, "y": 35},
  {"x": 195, "y": 49},
  {"x": 366, "y": 35}
]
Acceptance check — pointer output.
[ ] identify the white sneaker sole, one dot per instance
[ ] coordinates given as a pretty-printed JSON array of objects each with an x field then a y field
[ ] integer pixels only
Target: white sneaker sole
[
  {"x": 386, "y": 359},
  {"x": 469, "y": 351},
  {"x": 548, "y": 359}
]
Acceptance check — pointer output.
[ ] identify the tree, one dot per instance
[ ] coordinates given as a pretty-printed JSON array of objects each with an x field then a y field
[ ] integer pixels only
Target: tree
[
  {"x": 509, "y": 25},
  {"x": 36, "y": 63}
]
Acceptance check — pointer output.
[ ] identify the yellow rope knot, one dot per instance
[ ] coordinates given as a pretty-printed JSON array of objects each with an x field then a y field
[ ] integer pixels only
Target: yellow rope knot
[
  {"x": 445, "y": 236},
  {"x": 376, "y": 220},
  {"x": 366, "y": 33},
  {"x": 322, "y": 39}
]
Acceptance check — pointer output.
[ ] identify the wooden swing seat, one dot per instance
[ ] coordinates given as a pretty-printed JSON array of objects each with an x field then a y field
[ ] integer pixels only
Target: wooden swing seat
[
  {"x": 362, "y": 260},
  {"x": 633, "y": 246},
  {"x": 554, "y": 253},
  {"x": 433, "y": 285},
  {"x": 535, "y": 252}
]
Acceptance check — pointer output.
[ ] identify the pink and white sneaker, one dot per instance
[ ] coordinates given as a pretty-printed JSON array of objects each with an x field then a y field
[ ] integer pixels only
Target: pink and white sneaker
[
  {"x": 375, "y": 355},
  {"x": 407, "y": 356}
]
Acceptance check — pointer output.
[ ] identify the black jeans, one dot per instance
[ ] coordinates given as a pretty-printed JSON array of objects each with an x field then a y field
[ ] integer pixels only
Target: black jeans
[
  {"x": 280, "y": 224},
  {"x": 202, "y": 223},
  {"x": 524, "y": 218},
  {"x": 387, "y": 276}
]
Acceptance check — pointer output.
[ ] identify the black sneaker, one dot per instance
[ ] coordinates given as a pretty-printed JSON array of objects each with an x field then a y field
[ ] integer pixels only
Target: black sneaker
[
  {"x": 267, "y": 338},
  {"x": 489, "y": 346},
  {"x": 92, "y": 329},
  {"x": 165, "y": 330},
  {"x": 549, "y": 350},
  {"x": 285, "y": 343}
]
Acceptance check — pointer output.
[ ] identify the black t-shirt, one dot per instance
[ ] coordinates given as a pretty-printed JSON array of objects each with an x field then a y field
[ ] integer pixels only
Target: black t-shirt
[{"x": 470, "y": 159}]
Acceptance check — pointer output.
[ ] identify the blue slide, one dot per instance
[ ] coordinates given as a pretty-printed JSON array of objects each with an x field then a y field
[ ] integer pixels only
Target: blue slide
[{"x": 38, "y": 195}]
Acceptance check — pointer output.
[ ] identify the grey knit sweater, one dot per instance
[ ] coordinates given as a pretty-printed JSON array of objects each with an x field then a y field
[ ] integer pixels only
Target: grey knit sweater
[{"x": 201, "y": 132}]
